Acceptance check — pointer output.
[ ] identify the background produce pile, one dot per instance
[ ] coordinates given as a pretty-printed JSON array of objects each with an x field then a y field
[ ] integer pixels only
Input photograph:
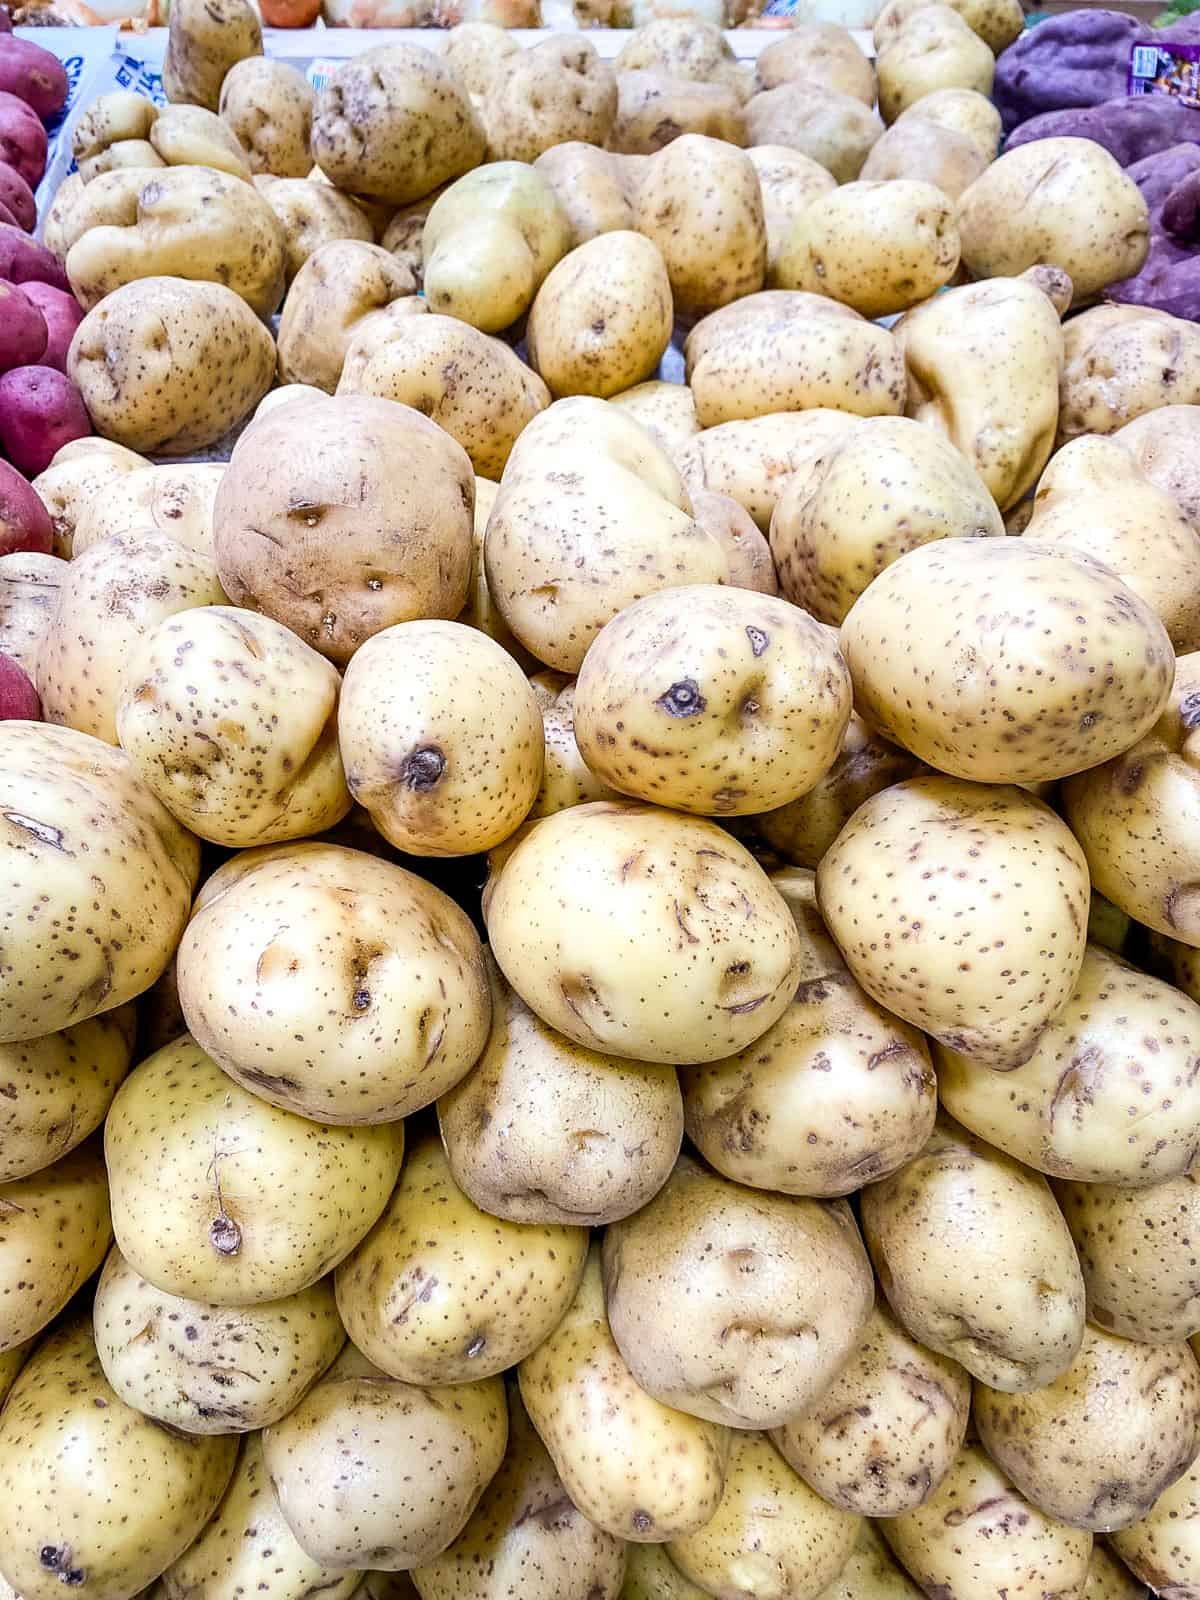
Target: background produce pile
[{"x": 598, "y": 977}]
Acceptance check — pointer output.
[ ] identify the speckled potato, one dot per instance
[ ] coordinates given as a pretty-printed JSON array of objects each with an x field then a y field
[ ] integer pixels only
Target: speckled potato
[
  {"x": 543, "y": 1130},
  {"x": 333, "y": 1464},
  {"x": 771, "y": 1537},
  {"x": 204, "y": 40},
  {"x": 370, "y": 336},
  {"x": 749, "y": 554},
  {"x": 920, "y": 150},
  {"x": 870, "y": 1573},
  {"x": 997, "y": 22},
  {"x": 192, "y": 136},
  {"x": 72, "y": 481},
  {"x": 942, "y": 649},
  {"x": 311, "y": 214},
  {"x": 56, "y": 222},
  {"x": 1165, "y": 444},
  {"x": 634, "y": 1467},
  {"x": 907, "y": 942},
  {"x": 65, "y": 800},
  {"x": 650, "y": 1574},
  {"x": 963, "y": 110},
  {"x": 594, "y": 188},
  {"x": 1107, "y": 1579},
  {"x": 174, "y": 500},
  {"x": 732, "y": 1304},
  {"x": 886, "y": 1432},
  {"x": 654, "y": 107},
  {"x": 935, "y": 49},
  {"x": 1097, "y": 1446},
  {"x": 336, "y": 985},
  {"x": 63, "y": 1428},
  {"x": 58, "y": 1088},
  {"x": 341, "y": 283},
  {"x": 699, "y": 202},
  {"x": 790, "y": 181},
  {"x": 885, "y": 487},
  {"x": 11, "y": 1362},
  {"x": 1095, "y": 1102},
  {"x": 1061, "y": 201},
  {"x": 678, "y": 886},
  {"x": 260, "y": 1204},
  {"x": 787, "y": 350},
  {"x": 341, "y": 517},
  {"x": 178, "y": 394},
  {"x": 554, "y": 92},
  {"x": 1116, "y": 363},
  {"x": 836, "y": 130},
  {"x": 114, "y": 119},
  {"x": 247, "y": 1547},
  {"x": 211, "y": 1369},
  {"x": 441, "y": 1292},
  {"x": 751, "y": 460},
  {"x": 818, "y": 53},
  {"x": 977, "y": 1536},
  {"x": 268, "y": 106},
  {"x": 667, "y": 411},
  {"x": 567, "y": 780},
  {"x": 474, "y": 52},
  {"x": 591, "y": 515},
  {"x": 684, "y": 47},
  {"x": 392, "y": 123},
  {"x": 1162, "y": 1548}
]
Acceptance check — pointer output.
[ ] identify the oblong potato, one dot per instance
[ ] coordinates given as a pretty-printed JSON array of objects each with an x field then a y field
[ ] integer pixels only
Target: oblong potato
[
  {"x": 268, "y": 106},
  {"x": 193, "y": 136},
  {"x": 935, "y": 49},
  {"x": 699, "y": 201},
  {"x": 594, "y": 188},
  {"x": 204, "y": 39}
]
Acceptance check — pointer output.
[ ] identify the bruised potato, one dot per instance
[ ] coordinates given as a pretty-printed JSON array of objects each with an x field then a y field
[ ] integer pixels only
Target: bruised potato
[
  {"x": 339, "y": 284},
  {"x": 268, "y": 106},
  {"x": 58, "y": 1088}
]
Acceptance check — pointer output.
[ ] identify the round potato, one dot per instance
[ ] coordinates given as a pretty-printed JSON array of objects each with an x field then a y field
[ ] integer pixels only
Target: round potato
[
  {"x": 1163, "y": 1547},
  {"x": 685, "y": 47},
  {"x": 935, "y": 49},
  {"x": 176, "y": 500},
  {"x": 1165, "y": 443},
  {"x": 667, "y": 411},
  {"x": 261, "y": 1203},
  {"x": 1124, "y": 362},
  {"x": 475, "y": 52},
  {"x": 919, "y": 150},
  {"x": 821, "y": 54},
  {"x": 790, "y": 181},
  {"x": 204, "y": 40},
  {"x": 268, "y": 106},
  {"x": 653, "y": 108},
  {"x": 340, "y": 284},
  {"x": 310, "y": 215},
  {"x": 833, "y": 129},
  {"x": 963, "y": 111},
  {"x": 751, "y": 459},
  {"x": 366, "y": 525},
  {"x": 29, "y": 585},
  {"x": 553, "y": 93}
]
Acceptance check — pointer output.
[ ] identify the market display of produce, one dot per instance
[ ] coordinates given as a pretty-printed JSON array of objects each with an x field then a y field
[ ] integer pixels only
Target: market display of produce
[{"x": 600, "y": 836}]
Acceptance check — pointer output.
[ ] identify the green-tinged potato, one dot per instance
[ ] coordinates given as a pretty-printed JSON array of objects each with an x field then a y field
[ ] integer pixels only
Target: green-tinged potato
[
  {"x": 335, "y": 1465},
  {"x": 339, "y": 285},
  {"x": 790, "y": 181},
  {"x": 886, "y": 486},
  {"x": 1135, "y": 1248},
  {"x": 681, "y": 888},
  {"x": 543, "y": 1130},
  {"x": 991, "y": 988},
  {"x": 211, "y": 1369},
  {"x": 231, "y": 720},
  {"x": 311, "y": 214},
  {"x": 821, "y": 54},
  {"x": 441, "y": 1292},
  {"x": 373, "y": 334},
  {"x": 786, "y": 350},
  {"x": 248, "y": 1548},
  {"x": 922, "y": 151},
  {"x": 685, "y": 47},
  {"x": 1122, "y": 363},
  {"x": 665, "y": 410},
  {"x": 268, "y": 107},
  {"x": 1165, "y": 443},
  {"x": 525, "y": 1536},
  {"x": 977, "y": 1536},
  {"x": 1097, "y": 1446},
  {"x": 935, "y": 49},
  {"x": 602, "y": 317},
  {"x": 1110, "y": 1093},
  {"x": 54, "y": 1232},
  {"x": 946, "y": 662},
  {"x": 772, "y": 1537},
  {"x": 96, "y": 1497},
  {"x": 556, "y": 91},
  {"x": 964, "y": 111},
  {"x": 1063, "y": 202},
  {"x": 977, "y": 1262},
  {"x": 734, "y": 1305},
  {"x": 193, "y": 136},
  {"x": 79, "y": 828},
  {"x": 711, "y": 700},
  {"x": 383, "y": 1011},
  {"x": 752, "y": 460},
  {"x": 204, "y": 40},
  {"x": 633, "y": 1466},
  {"x": 260, "y": 1203},
  {"x": 178, "y": 392},
  {"x": 835, "y": 130},
  {"x": 997, "y": 22},
  {"x": 1161, "y": 1548},
  {"x": 650, "y": 1574},
  {"x": 869, "y": 1574},
  {"x": 69, "y": 487},
  {"x": 58, "y": 1088},
  {"x": 567, "y": 780},
  {"x": 1107, "y": 1579},
  {"x": 174, "y": 500}
]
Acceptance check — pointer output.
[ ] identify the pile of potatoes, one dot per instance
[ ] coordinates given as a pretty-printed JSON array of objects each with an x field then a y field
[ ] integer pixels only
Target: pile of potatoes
[{"x": 599, "y": 994}]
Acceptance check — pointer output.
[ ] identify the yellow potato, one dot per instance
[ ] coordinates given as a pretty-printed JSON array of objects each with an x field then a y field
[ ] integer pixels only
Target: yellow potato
[
  {"x": 340, "y": 284},
  {"x": 371, "y": 335},
  {"x": 653, "y": 108},
  {"x": 311, "y": 214},
  {"x": 818, "y": 53},
  {"x": 789, "y": 181},
  {"x": 1165, "y": 443},
  {"x": 475, "y": 51},
  {"x": 1107, "y": 1579},
  {"x": 268, "y": 106},
  {"x": 836, "y": 130},
  {"x": 997, "y": 22},
  {"x": 963, "y": 111},
  {"x": 184, "y": 135},
  {"x": 556, "y": 91},
  {"x": 665, "y": 410},
  {"x": 204, "y": 40},
  {"x": 751, "y": 460},
  {"x": 119, "y": 117},
  {"x": 1163, "y": 1547},
  {"x": 68, "y": 485},
  {"x": 1123, "y": 362},
  {"x": 920, "y": 149},
  {"x": 685, "y": 47},
  {"x": 935, "y": 49},
  {"x": 177, "y": 501},
  {"x": 750, "y": 562},
  {"x": 594, "y": 188}
]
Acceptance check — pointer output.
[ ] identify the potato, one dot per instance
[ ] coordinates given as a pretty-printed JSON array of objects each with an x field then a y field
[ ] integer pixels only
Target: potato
[
  {"x": 475, "y": 52},
  {"x": 1160, "y": 1548},
  {"x": 665, "y": 410},
  {"x": 836, "y": 130},
  {"x": 886, "y": 1432},
  {"x": 1107, "y": 1579},
  {"x": 963, "y": 111},
  {"x": 771, "y": 1535},
  {"x": 171, "y": 394},
  {"x": 232, "y": 722},
  {"x": 590, "y": 515},
  {"x": 248, "y": 1547},
  {"x": 650, "y": 1574},
  {"x": 176, "y": 501},
  {"x": 354, "y": 1512},
  {"x": 1098, "y": 1445},
  {"x": 972, "y": 657},
  {"x": 751, "y": 460},
  {"x": 286, "y": 1020},
  {"x": 11, "y": 1363},
  {"x": 684, "y": 47},
  {"x": 552, "y": 93},
  {"x": 29, "y": 585},
  {"x": 1124, "y": 362},
  {"x": 311, "y": 215},
  {"x": 748, "y": 553},
  {"x": 700, "y": 203},
  {"x": 887, "y": 486},
  {"x": 1012, "y": 987},
  {"x": 789, "y": 181},
  {"x": 741, "y": 971},
  {"x": 261, "y": 1203},
  {"x": 108, "y": 200},
  {"x": 1164, "y": 444},
  {"x": 208, "y": 1369},
  {"x": 633, "y": 1466},
  {"x": 711, "y": 700},
  {"x": 369, "y": 336},
  {"x": 268, "y": 106},
  {"x": 480, "y": 611},
  {"x": 935, "y": 49},
  {"x": 735, "y": 1305},
  {"x": 567, "y": 780},
  {"x": 977, "y": 1535},
  {"x": 440, "y": 1292},
  {"x": 66, "y": 197},
  {"x": 81, "y": 828},
  {"x": 653, "y": 108},
  {"x": 870, "y": 1573},
  {"x": 341, "y": 283},
  {"x": 820, "y": 54},
  {"x": 473, "y": 386},
  {"x": 113, "y": 118},
  {"x": 920, "y": 150},
  {"x": 192, "y": 136},
  {"x": 392, "y": 123},
  {"x": 543, "y": 1130},
  {"x": 299, "y": 538},
  {"x": 594, "y": 188},
  {"x": 68, "y": 487},
  {"x": 405, "y": 231},
  {"x": 61, "y": 1427},
  {"x": 1065, "y": 202},
  {"x": 1077, "y": 1108},
  {"x": 204, "y": 40},
  {"x": 58, "y": 1088},
  {"x": 997, "y": 22}
]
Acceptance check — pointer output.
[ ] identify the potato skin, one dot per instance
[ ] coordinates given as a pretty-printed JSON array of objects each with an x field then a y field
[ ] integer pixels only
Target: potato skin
[
  {"x": 653, "y": 108},
  {"x": 837, "y": 130},
  {"x": 204, "y": 40},
  {"x": 750, "y": 459},
  {"x": 310, "y": 215},
  {"x": 935, "y": 49},
  {"x": 917, "y": 148},
  {"x": 790, "y": 181},
  {"x": 268, "y": 105},
  {"x": 68, "y": 484},
  {"x": 553, "y": 93},
  {"x": 195, "y": 137},
  {"x": 667, "y": 411},
  {"x": 1114, "y": 361},
  {"x": 174, "y": 501},
  {"x": 819, "y": 53},
  {"x": 1161, "y": 1548},
  {"x": 341, "y": 283}
]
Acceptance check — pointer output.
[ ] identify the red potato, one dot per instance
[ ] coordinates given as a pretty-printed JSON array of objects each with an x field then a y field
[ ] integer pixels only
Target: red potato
[
  {"x": 40, "y": 411},
  {"x": 23, "y": 141},
  {"x": 18, "y": 698},
  {"x": 31, "y": 72},
  {"x": 5, "y": 20},
  {"x": 23, "y": 260},
  {"x": 24, "y": 521},
  {"x": 62, "y": 314},
  {"x": 17, "y": 196},
  {"x": 6, "y": 215},
  {"x": 23, "y": 331}
]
